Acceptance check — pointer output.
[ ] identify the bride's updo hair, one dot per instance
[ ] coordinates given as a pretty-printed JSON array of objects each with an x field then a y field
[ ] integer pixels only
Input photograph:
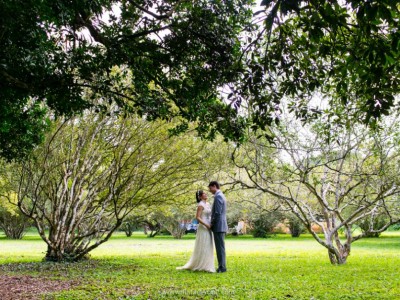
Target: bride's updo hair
[{"x": 198, "y": 195}]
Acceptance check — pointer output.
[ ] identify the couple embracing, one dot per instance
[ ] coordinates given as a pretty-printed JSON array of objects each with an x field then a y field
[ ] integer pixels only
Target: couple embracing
[{"x": 211, "y": 230}]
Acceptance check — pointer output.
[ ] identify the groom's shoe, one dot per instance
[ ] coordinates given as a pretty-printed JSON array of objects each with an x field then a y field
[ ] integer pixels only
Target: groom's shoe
[{"x": 221, "y": 271}]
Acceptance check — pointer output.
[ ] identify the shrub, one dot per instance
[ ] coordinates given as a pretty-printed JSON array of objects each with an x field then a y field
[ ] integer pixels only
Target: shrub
[
  {"x": 395, "y": 227},
  {"x": 13, "y": 224},
  {"x": 264, "y": 223},
  {"x": 295, "y": 225},
  {"x": 366, "y": 226}
]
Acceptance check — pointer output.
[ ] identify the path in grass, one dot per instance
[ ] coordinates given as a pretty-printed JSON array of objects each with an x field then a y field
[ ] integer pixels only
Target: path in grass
[{"x": 275, "y": 268}]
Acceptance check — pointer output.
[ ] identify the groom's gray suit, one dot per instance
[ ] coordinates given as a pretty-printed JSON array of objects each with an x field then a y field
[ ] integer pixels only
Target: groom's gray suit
[{"x": 219, "y": 226}]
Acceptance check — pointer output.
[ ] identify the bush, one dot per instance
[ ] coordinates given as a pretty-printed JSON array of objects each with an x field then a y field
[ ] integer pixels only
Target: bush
[
  {"x": 13, "y": 224},
  {"x": 295, "y": 225},
  {"x": 395, "y": 227},
  {"x": 377, "y": 223},
  {"x": 264, "y": 223},
  {"x": 260, "y": 233}
]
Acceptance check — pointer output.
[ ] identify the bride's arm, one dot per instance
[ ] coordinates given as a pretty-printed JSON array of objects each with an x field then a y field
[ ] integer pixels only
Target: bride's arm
[{"x": 198, "y": 216}]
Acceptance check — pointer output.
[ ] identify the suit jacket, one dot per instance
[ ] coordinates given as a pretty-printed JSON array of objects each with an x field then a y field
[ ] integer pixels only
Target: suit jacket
[{"x": 218, "y": 213}]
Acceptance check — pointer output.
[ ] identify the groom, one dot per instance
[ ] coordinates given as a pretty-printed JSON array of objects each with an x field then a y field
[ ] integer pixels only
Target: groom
[{"x": 219, "y": 226}]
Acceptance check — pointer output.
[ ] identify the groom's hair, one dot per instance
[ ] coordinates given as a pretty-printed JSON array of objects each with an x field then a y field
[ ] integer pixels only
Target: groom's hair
[{"x": 214, "y": 183}]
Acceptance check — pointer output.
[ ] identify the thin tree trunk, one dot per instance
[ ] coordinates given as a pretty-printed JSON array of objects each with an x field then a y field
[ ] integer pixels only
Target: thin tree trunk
[{"x": 338, "y": 255}]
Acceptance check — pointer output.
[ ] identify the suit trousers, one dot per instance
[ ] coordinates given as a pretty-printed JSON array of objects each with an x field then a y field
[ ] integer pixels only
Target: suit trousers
[{"x": 219, "y": 239}]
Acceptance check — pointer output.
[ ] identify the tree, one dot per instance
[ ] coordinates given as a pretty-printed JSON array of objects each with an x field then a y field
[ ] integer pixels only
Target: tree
[
  {"x": 176, "y": 54},
  {"x": 248, "y": 205},
  {"x": 172, "y": 219},
  {"x": 12, "y": 221},
  {"x": 92, "y": 171},
  {"x": 152, "y": 226},
  {"x": 172, "y": 216},
  {"x": 130, "y": 223},
  {"x": 165, "y": 219},
  {"x": 346, "y": 52},
  {"x": 335, "y": 184}
]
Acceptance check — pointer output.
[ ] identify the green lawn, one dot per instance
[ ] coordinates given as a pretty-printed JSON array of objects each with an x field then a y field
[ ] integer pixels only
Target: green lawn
[{"x": 274, "y": 268}]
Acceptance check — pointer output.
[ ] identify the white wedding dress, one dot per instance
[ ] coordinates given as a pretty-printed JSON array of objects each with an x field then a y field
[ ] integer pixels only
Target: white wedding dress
[{"x": 203, "y": 255}]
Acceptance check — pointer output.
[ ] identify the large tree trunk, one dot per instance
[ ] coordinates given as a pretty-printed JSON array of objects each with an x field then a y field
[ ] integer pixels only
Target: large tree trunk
[
  {"x": 76, "y": 249},
  {"x": 67, "y": 245},
  {"x": 56, "y": 254},
  {"x": 59, "y": 249}
]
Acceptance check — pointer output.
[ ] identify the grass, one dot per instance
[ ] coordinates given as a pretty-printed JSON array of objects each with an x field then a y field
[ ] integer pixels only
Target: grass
[{"x": 276, "y": 268}]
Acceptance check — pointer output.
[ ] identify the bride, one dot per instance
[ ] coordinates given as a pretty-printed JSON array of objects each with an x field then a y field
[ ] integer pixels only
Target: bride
[{"x": 203, "y": 255}]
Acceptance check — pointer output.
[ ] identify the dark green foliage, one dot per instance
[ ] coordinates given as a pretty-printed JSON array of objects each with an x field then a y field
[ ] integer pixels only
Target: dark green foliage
[
  {"x": 348, "y": 51},
  {"x": 395, "y": 227},
  {"x": 168, "y": 58},
  {"x": 160, "y": 59},
  {"x": 259, "y": 232},
  {"x": 22, "y": 126}
]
